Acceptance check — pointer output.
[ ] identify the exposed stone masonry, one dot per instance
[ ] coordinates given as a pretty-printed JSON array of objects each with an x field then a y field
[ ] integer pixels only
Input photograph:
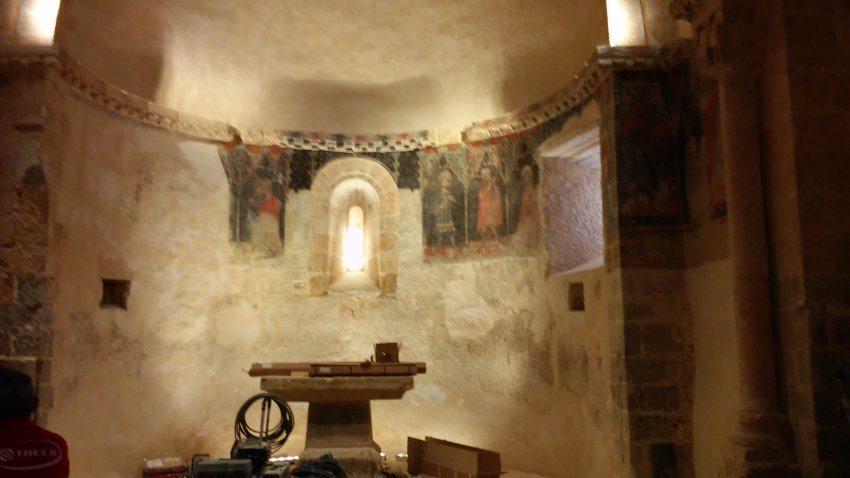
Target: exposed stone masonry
[
  {"x": 25, "y": 312},
  {"x": 652, "y": 366}
]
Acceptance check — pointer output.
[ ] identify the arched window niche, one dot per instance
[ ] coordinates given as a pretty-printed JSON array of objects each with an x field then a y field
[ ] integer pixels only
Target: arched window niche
[{"x": 340, "y": 189}]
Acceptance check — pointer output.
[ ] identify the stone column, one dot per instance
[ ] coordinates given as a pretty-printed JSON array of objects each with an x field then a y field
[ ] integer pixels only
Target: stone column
[
  {"x": 763, "y": 439},
  {"x": 747, "y": 241}
]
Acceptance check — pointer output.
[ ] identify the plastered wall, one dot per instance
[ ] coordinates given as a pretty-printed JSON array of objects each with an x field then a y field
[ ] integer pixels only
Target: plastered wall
[
  {"x": 709, "y": 289},
  {"x": 317, "y": 66},
  {"x": 508, "y": 367},
  {"x": 716, "y": 377}
]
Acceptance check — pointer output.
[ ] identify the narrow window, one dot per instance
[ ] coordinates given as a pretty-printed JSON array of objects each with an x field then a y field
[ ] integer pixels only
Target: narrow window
[{"x": 354, "y": 246}]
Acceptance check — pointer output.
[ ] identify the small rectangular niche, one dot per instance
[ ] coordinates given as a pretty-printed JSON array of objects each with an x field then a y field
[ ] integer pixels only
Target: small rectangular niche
[
  {"x": 115, "y": 294},
  {"x": 575, "y": 296}
]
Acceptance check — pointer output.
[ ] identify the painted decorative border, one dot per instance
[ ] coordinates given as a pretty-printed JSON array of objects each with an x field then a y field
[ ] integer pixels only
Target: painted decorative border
[
  {"x": 139, "y": 109},
  {"x": 384, "y": 143},
  {"x": 19, "y": 56},
  {"x": 135, "y": 107},
  {"x": 572, "y": 97}
]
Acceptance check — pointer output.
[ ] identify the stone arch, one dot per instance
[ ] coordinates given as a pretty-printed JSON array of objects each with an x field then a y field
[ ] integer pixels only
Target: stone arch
[{"x": 343, "y": 178}]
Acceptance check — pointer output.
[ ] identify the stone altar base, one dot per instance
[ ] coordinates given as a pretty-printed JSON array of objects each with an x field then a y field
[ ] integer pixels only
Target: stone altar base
[
  {"x": 340, "y": 425},
  {"x": 357, "y": 462},
  {"x": 339, "y": 418},
  {"x": 343, "y": 429}
]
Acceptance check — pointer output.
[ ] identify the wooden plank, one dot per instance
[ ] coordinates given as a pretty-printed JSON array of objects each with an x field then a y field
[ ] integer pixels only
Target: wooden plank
[
  {"x": 328, "y": 369},
  {"x": 277, "y": 368}
]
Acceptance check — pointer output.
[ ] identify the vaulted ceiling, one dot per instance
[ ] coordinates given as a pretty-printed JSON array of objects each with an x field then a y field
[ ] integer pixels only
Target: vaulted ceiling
[{"x": 348, "y": 66}]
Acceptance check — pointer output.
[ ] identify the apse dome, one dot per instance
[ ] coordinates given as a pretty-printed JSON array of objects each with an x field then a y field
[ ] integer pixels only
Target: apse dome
[{"x": 355, "y": 66}]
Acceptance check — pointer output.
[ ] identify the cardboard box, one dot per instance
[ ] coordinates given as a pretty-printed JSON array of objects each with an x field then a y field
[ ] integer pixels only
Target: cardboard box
[{"x": 444, "y": 459}]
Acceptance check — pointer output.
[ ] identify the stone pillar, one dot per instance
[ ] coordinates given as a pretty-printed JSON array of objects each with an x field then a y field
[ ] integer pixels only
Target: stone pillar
[
  {"x": 763, "y": 439},
  {"x": 747, "y": 241},
  {"x": 27, "y": 102},
  {"x": 650, "y": 323}
]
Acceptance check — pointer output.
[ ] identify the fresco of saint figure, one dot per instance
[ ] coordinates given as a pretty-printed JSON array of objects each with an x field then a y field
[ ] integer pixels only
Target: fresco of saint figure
[
  {"x": 527, "y": 233},
  {"x": 265, "y": 213},
  {"x": 490, "y": 210},
  {"x": 443, "y": 214},
  {"x": 445, "y": 228},
  {"x": 257, "y": 177}
]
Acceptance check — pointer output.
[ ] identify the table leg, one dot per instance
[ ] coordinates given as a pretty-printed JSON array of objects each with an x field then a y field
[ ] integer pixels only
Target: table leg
[
  {"x": 340, "y": 425},
  {"x": 343, "y": 429}
]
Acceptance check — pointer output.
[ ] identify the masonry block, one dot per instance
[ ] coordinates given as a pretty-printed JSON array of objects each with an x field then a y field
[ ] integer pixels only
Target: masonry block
[
  {"x": 319, "y": 284},
  {"x": 654, "y": 427},
  {"x": 31, "y": 291},
  {"x": 645, "y": 371},
  {"x": 23, "y": 365},
  {"x": 654, "y": 398},
  {"x": 318, "y": 262},
  {"x": 638, "y": 310},
  {"x": 633, "y": 336},
  {"x": 659, "y": 339},
  {"x": 13, "y": 315},
  {"x": 8, "y": 288},
  {"x": 30, "y": 341},
  {"x": 389, "y": 284},
  {"x": 388, "y": 263}
]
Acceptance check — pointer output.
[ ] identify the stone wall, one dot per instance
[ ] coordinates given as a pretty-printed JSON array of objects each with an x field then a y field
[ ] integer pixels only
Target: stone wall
[
  {"x": 508, "y": 366},
  {"x": 805, "y": 129},
  {"x": 26, "y": 315},
  {"x": 645, "y": 213}
]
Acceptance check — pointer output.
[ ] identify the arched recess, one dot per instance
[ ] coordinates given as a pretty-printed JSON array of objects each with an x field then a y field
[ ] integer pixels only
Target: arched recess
[{"x": 337, "y": 186}]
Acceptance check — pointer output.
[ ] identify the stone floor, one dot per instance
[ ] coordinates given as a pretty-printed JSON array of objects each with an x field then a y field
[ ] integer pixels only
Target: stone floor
[
  {"x": 400, "y": 469},
  {"x": 511, "y": 474}
]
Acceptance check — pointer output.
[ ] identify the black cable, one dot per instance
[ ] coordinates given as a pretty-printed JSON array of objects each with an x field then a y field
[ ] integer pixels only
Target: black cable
[{"x": 275, "y": 436}]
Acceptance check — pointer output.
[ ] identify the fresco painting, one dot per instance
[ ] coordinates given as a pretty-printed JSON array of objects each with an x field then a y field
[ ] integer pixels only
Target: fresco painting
[
  {"x": 258, "y": 178},
  {"x": 304, "y": 164},
  {"x": 710, "y": 152},
  {"x": 444, "y": 203},
  {"x": 487, "y": 222},
  {"x": 650, "y": 172},
  {"x": 528, "y": 225},
  {"x": 481, "y": 199}
]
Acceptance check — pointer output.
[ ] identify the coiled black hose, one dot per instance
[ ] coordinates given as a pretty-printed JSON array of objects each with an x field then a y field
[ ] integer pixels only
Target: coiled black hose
[{"x": 275, "y": 436}]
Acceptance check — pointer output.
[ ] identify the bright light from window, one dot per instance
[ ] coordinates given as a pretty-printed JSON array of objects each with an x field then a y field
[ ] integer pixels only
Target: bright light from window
[
  {"x": 625, "y": 23},
  {"x": 37, "y": 21},
  {"x": 354, "y": 250}
]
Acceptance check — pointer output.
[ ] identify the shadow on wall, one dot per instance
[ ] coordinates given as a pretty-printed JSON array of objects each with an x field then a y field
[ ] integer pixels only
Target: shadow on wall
[
  {"x": 350, "y": 107},
  {"x": 556, "y": 62},
  {"x": 98, "y": 47},
  {"x": 516, "y": 83}
]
